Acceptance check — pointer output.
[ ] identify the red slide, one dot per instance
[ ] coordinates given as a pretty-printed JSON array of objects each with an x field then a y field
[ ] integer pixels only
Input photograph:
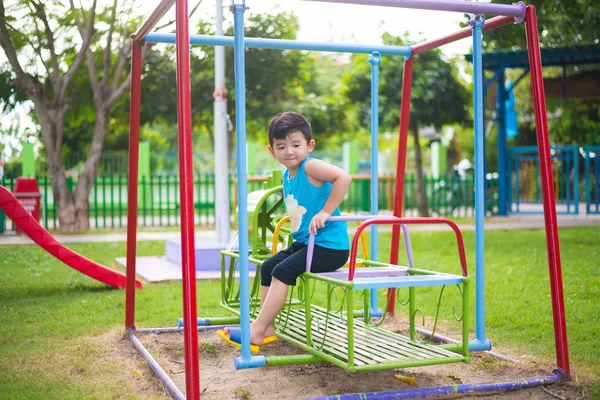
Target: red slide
[{"x": 15, "y": 211}]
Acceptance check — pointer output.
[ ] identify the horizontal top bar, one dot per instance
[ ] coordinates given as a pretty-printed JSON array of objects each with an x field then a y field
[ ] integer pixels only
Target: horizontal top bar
[
  {"x": 511, "y": 10},
  {"x": 282, "y": 44}
]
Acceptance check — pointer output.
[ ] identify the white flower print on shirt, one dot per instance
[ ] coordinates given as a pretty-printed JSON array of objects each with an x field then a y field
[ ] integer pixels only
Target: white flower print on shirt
[{"x": 294, "y": 211}]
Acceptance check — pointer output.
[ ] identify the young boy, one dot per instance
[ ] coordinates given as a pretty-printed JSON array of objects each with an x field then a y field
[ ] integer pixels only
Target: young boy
[{"x": 312, "y": 190}]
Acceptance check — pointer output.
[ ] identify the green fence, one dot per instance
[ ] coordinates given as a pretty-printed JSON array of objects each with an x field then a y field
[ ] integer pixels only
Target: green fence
[{"x": 158, "y": 199}]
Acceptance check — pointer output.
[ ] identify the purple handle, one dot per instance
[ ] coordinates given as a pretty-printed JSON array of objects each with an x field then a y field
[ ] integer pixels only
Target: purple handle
[
  {"x": 309, "y": 252},
  {"x": 513, "y": 10}
]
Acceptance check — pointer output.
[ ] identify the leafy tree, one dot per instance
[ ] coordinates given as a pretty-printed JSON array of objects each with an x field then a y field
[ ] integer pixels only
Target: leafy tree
[
  {"x": 560, "y": 23},
  {"x": 59, "y": 40},
  {"x": 43, "y": 35},
  {"x": 10, "y": 95},
  {"x": 438, "y": 97}
]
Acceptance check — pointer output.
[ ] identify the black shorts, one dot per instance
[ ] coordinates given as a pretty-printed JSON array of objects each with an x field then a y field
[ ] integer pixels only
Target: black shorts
[{"x": 289, "y": 264}]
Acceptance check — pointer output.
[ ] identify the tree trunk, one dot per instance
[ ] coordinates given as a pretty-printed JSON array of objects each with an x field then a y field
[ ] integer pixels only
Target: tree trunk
[
  {"x": 51, "y": 125},
  {"x": 86, "y": 178},
  {"x": 421, "y": 194}
]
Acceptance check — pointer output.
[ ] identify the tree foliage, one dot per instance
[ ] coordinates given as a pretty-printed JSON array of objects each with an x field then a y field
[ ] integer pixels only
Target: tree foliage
[{"x": 560, "y": 24}]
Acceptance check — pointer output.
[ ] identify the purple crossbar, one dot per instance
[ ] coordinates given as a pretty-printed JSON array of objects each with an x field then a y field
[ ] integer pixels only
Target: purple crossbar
[
  {"x": 373, "y": 272},
  {"x": 511, "y": 10}
]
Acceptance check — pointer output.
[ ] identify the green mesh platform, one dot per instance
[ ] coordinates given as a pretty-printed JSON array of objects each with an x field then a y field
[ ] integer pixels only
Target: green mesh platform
[{"x": 374, "y": 348}]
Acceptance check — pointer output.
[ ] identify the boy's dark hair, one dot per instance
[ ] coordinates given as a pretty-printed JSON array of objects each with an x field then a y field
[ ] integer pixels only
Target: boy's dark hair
[{"x": 286, "y": 123}]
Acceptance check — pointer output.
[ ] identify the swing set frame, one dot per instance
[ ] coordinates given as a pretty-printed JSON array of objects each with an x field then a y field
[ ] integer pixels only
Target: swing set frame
[{"x": 504, "y": 15}]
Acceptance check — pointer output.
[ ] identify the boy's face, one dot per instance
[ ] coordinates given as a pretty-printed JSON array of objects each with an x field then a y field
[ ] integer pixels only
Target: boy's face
[{"x": 292, "y": 150}]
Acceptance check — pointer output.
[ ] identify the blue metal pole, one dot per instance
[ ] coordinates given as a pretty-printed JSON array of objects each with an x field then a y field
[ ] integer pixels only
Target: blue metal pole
[
  {"x": 375, "y": 61},
  {"x": 588, "y": 197},
  {"x": 262, "y": 43},
  {"x": 501, "y": 118},
  {"x": 245, "y": 360},
  {"x": 596, "y": 176},
  {"x": 567, "y": 180},
  {"x": 480, "y": 342}
]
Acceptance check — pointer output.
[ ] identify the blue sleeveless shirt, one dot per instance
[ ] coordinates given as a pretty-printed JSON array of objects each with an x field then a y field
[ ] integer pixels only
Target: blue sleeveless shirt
[{"x": 303, "y": 201}]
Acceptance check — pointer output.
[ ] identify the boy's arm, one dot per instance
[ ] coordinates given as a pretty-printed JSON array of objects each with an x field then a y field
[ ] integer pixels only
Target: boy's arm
[{"x": 321, "y": 171}]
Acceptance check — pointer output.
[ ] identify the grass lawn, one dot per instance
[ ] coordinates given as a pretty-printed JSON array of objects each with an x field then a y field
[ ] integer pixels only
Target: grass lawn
[{"x": 49, "y": 311}]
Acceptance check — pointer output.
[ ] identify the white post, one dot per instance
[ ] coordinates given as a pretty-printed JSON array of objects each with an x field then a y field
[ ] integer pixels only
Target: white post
[{"x": 222, "y": 216}]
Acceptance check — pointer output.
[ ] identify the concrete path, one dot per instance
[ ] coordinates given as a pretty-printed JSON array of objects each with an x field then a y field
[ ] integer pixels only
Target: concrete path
[
  {"x": 496, "y": 223},
  {"x": 159, "y": 268}
]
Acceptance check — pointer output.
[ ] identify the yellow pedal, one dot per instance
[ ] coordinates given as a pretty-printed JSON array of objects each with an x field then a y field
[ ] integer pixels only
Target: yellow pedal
[{"x": 359, "y": 263}]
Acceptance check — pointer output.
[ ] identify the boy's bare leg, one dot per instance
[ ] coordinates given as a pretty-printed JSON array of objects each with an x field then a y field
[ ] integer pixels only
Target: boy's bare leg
[
  {"x": 273, "y": 302},
  {"x": 264, "y": 291}
]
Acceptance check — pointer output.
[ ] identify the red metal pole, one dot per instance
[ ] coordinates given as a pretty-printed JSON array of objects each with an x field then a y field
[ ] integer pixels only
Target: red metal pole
[
  {"x": 186, "y": 194},
  {"x": 407, "y": 75},
  {"x": 132, "y": 190},
  {"x": 490, "y": 24},
  {"x": 541, "y": 122}
]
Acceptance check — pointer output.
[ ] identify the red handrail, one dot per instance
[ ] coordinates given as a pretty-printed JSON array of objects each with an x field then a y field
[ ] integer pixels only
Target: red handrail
[{"x": 407, "y": 221}]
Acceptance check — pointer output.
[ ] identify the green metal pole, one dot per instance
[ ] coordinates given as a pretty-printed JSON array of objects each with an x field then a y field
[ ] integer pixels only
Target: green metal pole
[
  {"x": 280, "y": 361},
  {"x": 104, "y": 200},
  {"x": 144, "y": 199},
  {"x": 251, "y": 158},
  {"x": 465, "y": 327},
  {"x": 28, "y": 161},
  {"x": 120, "y": 201},
  {"x": 144, "y": 167},
  {"x": 112, "y": 201},
  {"x": 307, "y": 310},
  {"x": 350, "y": 325},
  {"x": 160, "y": 202},
  {"x": 411, "y": 311},
  {"x": 96, "y": 201},
  {"x": 168, "y": 201}
]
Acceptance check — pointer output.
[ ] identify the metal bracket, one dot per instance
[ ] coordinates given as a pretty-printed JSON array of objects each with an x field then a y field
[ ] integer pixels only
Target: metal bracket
[
  {"x": 475, "y": 18},
  {"x": 233, "y": 4},
  {"x": 375, "y": 58},
  {"x": 523, "y": 7}
]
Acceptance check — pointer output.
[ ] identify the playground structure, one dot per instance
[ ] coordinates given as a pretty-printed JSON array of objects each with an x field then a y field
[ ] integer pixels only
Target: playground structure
[
  {"x": 340, "y": 332},
  {"x": 298, "y": 327},
  {"x": 524, "y": 181},
  {"x": 515, "y": 164},
  {"x": 28, "y": 224}
]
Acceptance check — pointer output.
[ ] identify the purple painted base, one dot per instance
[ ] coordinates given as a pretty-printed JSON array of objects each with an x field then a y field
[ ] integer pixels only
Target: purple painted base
[{"x": 207, "y": 252}]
